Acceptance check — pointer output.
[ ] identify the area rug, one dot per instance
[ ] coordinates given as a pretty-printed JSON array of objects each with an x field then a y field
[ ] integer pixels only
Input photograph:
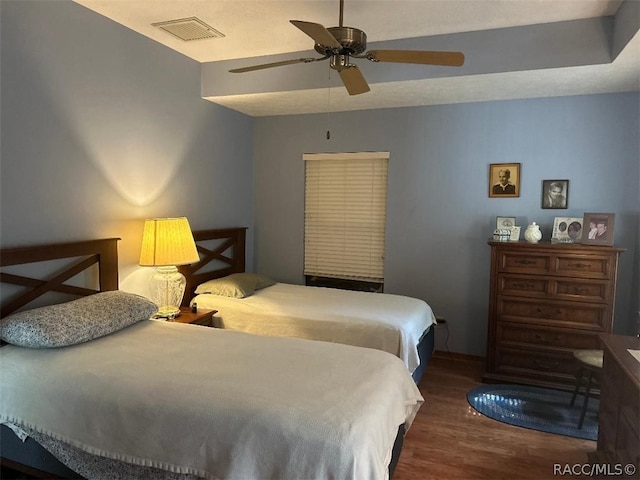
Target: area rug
[{"x": 536, "y": 408}]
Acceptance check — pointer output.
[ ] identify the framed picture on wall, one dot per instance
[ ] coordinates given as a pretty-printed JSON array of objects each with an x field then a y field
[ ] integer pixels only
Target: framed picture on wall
[
  {"x": 504, "y": 180},
  {"x": 598, "y": 228},
  {"x": 567, "y": 230},
  {"x": 555, "y": 193}
]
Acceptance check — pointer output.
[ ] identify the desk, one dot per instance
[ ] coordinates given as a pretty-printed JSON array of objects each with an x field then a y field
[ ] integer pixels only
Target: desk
[{"x": 618, "y": 418}]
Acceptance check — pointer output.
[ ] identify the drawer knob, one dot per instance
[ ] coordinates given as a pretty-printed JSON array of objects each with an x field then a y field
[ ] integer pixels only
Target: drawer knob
[
  {"x": 579, "y": 265},
  {"x": 546, "y": 365},
  {"x": 525, "y": 261},
  {"x": 580, "y": 290},
  {"x": 548, "y": 313},
  {"x": 547, "y": 339}
]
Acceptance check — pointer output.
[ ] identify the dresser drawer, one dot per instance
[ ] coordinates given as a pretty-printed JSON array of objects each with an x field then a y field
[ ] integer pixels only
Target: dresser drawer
[
  {"x": 517, "y": 334},
  {"x": 628, "y": 426},
  {"x": 581, "y": 290},
  {"x": 585, "y": 316},
  {"x": 537, "y": 364},
  {"x": 589, "y": 266},
  {"x": 630, "y": 406},
  {"x": 523, "y": 285},
  {"x": 627, "y": 442},
  {"x": 524, "y": 262},
  {"x": 537, "y": 286}
]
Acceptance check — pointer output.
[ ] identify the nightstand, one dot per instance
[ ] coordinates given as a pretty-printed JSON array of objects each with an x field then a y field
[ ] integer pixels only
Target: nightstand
[{"x": 203, "y": 317}]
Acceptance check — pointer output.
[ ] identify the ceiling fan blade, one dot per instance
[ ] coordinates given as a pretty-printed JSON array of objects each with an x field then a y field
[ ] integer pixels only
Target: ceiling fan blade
[
  {"x": 318, "y": 33},
  {"x": 353, "y": 80},
  {"x": 276, "y": 64},
  {"x": 449, "y": 59}
]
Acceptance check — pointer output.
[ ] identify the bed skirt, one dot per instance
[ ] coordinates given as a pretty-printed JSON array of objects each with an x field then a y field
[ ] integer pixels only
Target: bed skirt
[
  {"x": 32, "y": 459},
  {"x": 425, "y": 350}
]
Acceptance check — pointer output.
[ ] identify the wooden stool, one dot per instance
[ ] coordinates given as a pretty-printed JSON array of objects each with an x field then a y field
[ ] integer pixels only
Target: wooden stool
[{"x": 590, "y": 362}]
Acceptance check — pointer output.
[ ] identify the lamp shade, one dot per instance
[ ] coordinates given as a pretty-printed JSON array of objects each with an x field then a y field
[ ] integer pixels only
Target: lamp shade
[{"x": 167, "y": 241}]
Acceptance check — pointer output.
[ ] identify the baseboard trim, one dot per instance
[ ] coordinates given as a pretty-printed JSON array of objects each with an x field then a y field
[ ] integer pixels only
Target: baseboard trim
[{"x": 456, "y": 356}]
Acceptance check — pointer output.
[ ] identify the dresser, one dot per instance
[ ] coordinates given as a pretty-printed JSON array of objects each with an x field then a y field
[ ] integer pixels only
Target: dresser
[
  {"x": 619, "y": 415},
  {"x": 545, "y": 301}
]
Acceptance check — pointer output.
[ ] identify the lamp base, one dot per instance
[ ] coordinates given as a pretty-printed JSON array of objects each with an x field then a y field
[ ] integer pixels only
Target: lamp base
[{"x": 167, "y": 287}]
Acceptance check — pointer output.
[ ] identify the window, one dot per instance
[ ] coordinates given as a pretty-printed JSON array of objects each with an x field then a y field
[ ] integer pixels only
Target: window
[{"x": 345, "y": 213}]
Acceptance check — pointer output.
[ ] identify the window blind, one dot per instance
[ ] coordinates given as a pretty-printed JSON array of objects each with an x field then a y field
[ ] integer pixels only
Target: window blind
[{"x": 345, "y": 215}]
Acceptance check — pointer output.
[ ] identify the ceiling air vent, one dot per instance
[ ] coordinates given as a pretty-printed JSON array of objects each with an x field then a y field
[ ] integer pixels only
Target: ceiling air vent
[{"x": 188, "y": 29}]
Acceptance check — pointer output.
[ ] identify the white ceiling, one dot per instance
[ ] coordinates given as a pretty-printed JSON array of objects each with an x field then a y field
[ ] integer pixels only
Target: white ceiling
[{"x": 261, "y": 28}]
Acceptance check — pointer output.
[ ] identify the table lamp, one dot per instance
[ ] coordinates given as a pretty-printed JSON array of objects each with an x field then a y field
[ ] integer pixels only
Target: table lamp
[{"x": 166, "y": 243}]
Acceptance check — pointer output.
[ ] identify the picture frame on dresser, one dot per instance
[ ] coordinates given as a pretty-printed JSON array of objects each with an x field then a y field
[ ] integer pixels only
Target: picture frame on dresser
[
  {"x": 598, "y": 229},
  {"x": 567, "y": 230},
  {"x": 505, "y": 222}
]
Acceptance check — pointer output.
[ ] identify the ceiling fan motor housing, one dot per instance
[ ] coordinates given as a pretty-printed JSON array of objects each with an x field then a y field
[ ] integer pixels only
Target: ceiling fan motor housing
[{"x": 352, "y": 40}]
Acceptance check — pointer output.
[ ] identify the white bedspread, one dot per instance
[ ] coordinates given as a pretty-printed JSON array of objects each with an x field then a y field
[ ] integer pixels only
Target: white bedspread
[
  {"x": 393, "y": 323},
  {"x": 215, "y": 403}
]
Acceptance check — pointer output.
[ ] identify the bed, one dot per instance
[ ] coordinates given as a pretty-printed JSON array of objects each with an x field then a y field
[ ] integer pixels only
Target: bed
[
  {"x": 122, "y": 396},
  {"x": 256, "y": 304}
]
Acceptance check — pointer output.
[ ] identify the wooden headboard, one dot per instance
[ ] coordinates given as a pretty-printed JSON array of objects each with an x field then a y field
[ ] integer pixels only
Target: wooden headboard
[
  {"x": 71, "y": 259},
  {"x": 81, "y": 256},
  {"x": 222, "y": 252}
]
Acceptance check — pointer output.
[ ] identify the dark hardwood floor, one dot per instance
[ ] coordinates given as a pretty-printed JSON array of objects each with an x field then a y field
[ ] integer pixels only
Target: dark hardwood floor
[{"x": 450, "y": 440}]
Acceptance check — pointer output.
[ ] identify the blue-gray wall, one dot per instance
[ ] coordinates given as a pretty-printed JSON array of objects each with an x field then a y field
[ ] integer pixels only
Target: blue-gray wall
[
  {"x": 439, "y": 216},
  {"x": 102, "y": 128}
]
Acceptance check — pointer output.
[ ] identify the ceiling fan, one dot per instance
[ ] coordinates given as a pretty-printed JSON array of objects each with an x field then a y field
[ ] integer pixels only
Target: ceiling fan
[{"x": 340, "y": 44}]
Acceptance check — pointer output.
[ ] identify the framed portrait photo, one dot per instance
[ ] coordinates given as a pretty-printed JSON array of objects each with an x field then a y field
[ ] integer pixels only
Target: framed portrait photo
[
  {"x": 598, "y": 228},
  {"x": 555, "y": 193},
  {"x": 504, "y": 180},
  {"x": 567, "y": 230}
]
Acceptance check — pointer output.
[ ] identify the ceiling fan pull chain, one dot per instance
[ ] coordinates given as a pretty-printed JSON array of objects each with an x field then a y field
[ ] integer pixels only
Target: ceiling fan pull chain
[{"x": 329, "y": 104}]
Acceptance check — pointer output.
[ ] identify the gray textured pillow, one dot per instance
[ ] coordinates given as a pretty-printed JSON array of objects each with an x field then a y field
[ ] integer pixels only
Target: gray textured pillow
[
  {"x": 236, "y": 285},
  {"x": 77, "y": 321}
]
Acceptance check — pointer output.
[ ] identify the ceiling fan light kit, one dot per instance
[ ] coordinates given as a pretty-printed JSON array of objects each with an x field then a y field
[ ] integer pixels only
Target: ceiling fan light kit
[{"x": 340, "y": 44}]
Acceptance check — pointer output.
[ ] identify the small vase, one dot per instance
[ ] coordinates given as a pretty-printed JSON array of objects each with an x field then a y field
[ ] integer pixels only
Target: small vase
[{"x": 533, "y": 234}]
